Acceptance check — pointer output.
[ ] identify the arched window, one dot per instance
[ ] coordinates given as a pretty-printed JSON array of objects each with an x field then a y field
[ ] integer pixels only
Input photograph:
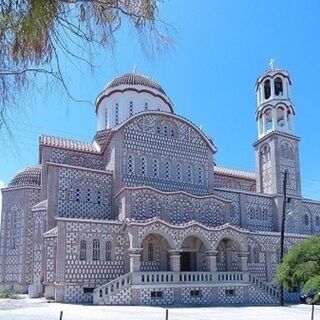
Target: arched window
[
  {"x": 156, "y": 170},
  {"x": 158, "y": 130},
  {"x": 317, "y": 221},
  {"x": 305, "y": 219},
  {"x": 278, "y": 87},
  {"x": 267, "y": 89},
  {"x": 178, "y": 172},
  {"x": 143, "y": 169},
  {"x": 167, "y": 170},
  {"x": 190, "y": 173},
  {"x": 146, "y": 106},
  {"x": 83, "y": 250},
  {"x": 131, "y": 108},
  {"x": 256, "y": 256},
  {"x": 96, "y": 249},
  {"x": 280, "y": 117},
  {"x": 116, "y": 114},
  {"x": 150, "y": 252},
  {"x": 108, "y": 250},
  {"x": 88, "y": 195},
  {"x": 130, "y": 164},
  {"x": 268, "y": 117}
]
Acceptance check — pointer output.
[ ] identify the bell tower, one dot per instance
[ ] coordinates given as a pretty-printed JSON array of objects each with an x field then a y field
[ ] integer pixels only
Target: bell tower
[{"x": 277, "y": 148}]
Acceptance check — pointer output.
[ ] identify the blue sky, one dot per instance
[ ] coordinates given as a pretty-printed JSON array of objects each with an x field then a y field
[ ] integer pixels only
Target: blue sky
[{"x": 220, "y": 48}]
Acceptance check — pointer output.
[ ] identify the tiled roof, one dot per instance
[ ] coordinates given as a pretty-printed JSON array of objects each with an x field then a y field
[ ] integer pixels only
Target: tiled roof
[
  {"x": 101, "y": 137},
  {"x": 41, "y": 205},
  {"x": 67, "y": 143},
  {"x": 51, "y": 232},
  {"x": 134, "y": 79},
  {"x": 30, "y": 177},
  {"x": 234, "y": 173}
]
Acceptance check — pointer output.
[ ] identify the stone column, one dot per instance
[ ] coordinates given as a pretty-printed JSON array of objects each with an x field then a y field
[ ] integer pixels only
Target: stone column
[
  {"x": 135, "y": 259},
  {"x": 243, "y": 257},
  {"x": 212, "y": 260},
  {"x": 174, "y": 256}
]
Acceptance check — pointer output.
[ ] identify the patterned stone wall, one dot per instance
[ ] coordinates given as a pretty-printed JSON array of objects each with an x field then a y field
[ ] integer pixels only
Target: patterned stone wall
[
  {"x": 50, "y": 243},
  {"x": 166, "y": 153},
  {"x": 94, "y": 267},
  {"x": 259, "y": 213},
  {"x": 77, "y": 159},
  {"x": 235, "y": 218},
  {"x": 84, "y": 194},
  {"x": 177, "y": 208},
  {"x": 234, "y": 183}
]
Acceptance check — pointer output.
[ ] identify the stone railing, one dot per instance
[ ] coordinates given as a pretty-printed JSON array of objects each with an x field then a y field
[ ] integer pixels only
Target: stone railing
[
  {"x": 101, "y": 293},
  {"x": 270, "y": 289},
  {"x": 232, "y": 276},
  {"x": 165, "y": 278}
]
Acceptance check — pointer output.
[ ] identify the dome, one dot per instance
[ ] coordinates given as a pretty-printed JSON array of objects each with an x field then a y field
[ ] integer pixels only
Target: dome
[
  {"x": 135, "y": 80},
  {"x": 28, "y": 177}
]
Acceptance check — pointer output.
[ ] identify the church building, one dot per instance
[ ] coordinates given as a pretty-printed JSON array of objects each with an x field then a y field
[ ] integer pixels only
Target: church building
[{"x": 143, "y": 215}]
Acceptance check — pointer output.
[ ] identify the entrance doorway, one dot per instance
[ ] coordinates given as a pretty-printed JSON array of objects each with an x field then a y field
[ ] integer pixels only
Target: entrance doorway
[{"x": 185, "y": 261}]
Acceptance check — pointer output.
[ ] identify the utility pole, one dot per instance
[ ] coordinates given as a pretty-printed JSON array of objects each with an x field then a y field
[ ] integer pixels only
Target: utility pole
[{"x": 282, "y": 228}]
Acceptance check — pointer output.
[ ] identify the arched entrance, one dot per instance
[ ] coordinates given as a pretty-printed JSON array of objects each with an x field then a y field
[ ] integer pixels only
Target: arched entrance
[
  {"x": 154, "y": 255},
  {"x": 228, "y": 255},
  {"x": 192, "y": 256}
]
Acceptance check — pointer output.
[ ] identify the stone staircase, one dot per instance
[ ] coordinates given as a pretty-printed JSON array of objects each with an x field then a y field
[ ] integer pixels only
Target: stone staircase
[{"x": 270, "y": 290}]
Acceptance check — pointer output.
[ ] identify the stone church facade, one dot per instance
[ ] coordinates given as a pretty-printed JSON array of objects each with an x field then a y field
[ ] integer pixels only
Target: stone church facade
[{"x": 143, "y": 215}]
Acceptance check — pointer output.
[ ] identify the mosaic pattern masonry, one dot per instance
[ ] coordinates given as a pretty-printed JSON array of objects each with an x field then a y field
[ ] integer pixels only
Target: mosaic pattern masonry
[{"x": 143, "y": 215}]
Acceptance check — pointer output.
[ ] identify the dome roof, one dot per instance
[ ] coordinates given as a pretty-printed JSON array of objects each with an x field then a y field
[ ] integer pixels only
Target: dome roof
[
  {"x": 135, "y": 79},
  {"x": 28, "y": 177}
]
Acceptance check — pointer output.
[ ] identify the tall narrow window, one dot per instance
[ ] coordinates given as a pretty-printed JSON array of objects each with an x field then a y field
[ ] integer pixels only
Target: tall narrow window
[
  {"x": 267, "y": 89},
  {"x": 256, "y": 256},
  {"x": 78, "y": 195},
  {"x": 106, "y": 117},
  {"x": 14, "y": 230},
  {"x": 108, "y": 250},
  {"x": 83, "y": 250},
  {"x": 165, "y": 131},
  {"x": 156, "y": 168},
  {"x": 167, "y": 170},
  {"x": 146, "y": 106},
  {"x": 143, "y": 166},
  {"x": 150, "y": 251},
  {"x": 178, "y": 172},
  {"x": 88, "y": 195},
  {"x": 131, "y": 108},
  {"x": 130, "y": 164},
  {"x": 190, "y": 173},
  {"x": 99, "y": 197},
  {"x": 158, "y": 130},
  {"x": 96, "y": 249},
  {"x": 317, "y": 221},
  {"x": 278, "y": 87},
  {"x": 116, "y": 114},
  {"x": 200, "y": 175},
  {"x": 250, "y": 254},
  {"x": 306, "y": 219}
]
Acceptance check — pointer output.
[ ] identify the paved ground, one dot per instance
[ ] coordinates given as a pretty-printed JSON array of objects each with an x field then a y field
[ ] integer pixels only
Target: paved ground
[{"x": 39, "y": 309}]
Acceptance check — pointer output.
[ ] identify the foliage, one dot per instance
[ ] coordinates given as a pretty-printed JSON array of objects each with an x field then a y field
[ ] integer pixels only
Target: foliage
[
  {"x": 301, "y": 267},
  {"x": 8, "y": 294},
  {"x": 34, "y": 34}
]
